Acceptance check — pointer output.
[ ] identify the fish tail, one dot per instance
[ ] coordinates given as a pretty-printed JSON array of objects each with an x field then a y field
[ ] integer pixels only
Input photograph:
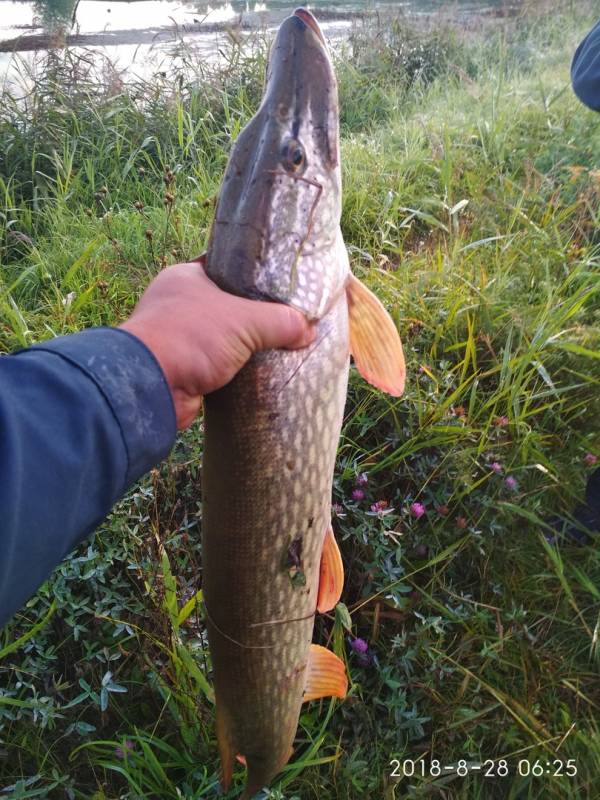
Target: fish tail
[
  {"x": 260, "y": 774},
  {"x": 253, "y": 785},
  {"x": 226, "y": 746},
  {"x": 257, "y": 778}
]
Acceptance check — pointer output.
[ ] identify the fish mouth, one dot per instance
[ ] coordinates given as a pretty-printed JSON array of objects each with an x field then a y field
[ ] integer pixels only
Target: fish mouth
[{"x": 308, "y": 19}]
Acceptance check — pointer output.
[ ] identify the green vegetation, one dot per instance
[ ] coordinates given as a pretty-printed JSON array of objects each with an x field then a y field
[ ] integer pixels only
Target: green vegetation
[{"x": 471, "y": 207}]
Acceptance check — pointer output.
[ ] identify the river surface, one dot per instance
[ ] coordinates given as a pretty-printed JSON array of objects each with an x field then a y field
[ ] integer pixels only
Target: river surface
[{"x": 137, "y": 37}]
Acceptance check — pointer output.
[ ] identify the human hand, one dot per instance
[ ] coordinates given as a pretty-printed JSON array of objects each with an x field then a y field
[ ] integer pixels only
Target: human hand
[{"x": 202, "y": 336}]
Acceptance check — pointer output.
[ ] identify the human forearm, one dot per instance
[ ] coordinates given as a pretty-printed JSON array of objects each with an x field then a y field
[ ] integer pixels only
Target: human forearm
[{"x": 81, "y": 418}]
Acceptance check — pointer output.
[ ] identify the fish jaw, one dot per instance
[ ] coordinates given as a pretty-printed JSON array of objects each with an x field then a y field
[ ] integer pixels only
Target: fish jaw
[
  {"x": 308, "y": 19},
  {"x": 276, "y": 230}
]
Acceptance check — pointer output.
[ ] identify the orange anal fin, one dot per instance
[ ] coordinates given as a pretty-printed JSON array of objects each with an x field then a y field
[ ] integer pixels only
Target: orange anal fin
[
  {"x": 226, "y": 749},
  {"x": 374, "y": 341},
  {"x": 331, "y": 574},
  {"x": 326, "y": 675}
]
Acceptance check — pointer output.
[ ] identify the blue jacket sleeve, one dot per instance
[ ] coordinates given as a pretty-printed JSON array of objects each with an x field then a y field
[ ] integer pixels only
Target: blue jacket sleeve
[
  {"x": 585, "y": 69},
  {"x": 81, "y": 418}
]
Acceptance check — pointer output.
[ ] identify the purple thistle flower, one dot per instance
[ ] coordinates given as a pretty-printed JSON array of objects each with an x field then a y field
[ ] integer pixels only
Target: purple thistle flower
[
  {"x": 359, "y": 645},
  {"x": 128, "y": 747},
  {"x": 358, "y": 494},
  {"x": 496, "y": 467},
  {"x": 417, "y": 510},
  {"x": 590, "y": 460},
  {"x": 362, "y": 479},
  {"x": 511, "y": 483}
]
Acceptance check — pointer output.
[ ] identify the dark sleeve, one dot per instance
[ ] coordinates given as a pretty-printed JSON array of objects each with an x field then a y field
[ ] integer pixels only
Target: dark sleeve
[
  {"x": 81, "y": 418},
  {"x": 585, "y": 69}
]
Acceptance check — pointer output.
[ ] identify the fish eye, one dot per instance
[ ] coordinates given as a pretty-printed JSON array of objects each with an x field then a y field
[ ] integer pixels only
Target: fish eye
[{"x": 293, "y": 156}]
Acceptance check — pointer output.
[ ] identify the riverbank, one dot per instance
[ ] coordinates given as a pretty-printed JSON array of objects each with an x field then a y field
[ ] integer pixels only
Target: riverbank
[
  {"x": 189, "y": 32},
  {"x": 471, "y": 186}
]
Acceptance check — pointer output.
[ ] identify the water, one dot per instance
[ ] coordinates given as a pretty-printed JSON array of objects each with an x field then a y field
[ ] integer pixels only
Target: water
[{"x": 139, "y": 36}]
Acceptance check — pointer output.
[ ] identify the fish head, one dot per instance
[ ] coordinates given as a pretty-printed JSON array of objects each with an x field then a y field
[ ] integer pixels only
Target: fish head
[{"x": 276, "y": 233}]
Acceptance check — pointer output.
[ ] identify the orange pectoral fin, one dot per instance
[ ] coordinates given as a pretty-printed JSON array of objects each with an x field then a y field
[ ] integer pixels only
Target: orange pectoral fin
[
  {"x": 374, "y": 341},
  {"x": 331, "y": 574},
  {"x": 326, "y": 675}
]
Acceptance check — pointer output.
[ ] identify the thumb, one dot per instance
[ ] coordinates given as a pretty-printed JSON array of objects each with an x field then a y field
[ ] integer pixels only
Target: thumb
[{"x": 275, "y": 325}]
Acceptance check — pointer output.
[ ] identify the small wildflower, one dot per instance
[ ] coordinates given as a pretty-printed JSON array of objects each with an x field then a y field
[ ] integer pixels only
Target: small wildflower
[
  {"x": 362, "y": 479},
  {"x": 359, "y": 645},
  {"x": 590, "y": 460},
  {"x": 501, "y": 422},
  {"x": 443, "y": 510},
  {"x": 380, "y": 505},
  {"x": 511, "y": 483},
  {"x": 138, "y": 205},
  {"x": 414, "y": 328},
  {"x": 358, "y": 494},
  {"x": 417, "y": 510},
  {"x": 68, "y": 300},
  {"x": 128, "y": 747},
  {"x": 338, "y": 510},
  {"x": 149, "y": 234},
  {"x": 461, "y": 523},
  {"x": 496, "y": 467}
]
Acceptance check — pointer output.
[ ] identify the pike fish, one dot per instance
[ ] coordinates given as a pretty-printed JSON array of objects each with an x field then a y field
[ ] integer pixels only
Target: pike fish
[{"x": 269, "y": 555}]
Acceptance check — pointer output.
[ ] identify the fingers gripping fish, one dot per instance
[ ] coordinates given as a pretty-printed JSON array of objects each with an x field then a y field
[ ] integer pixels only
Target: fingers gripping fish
[{"x": 270, "y": 558}]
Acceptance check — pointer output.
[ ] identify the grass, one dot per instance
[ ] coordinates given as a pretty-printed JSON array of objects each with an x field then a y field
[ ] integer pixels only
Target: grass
[{"x": 470, "y": 205}]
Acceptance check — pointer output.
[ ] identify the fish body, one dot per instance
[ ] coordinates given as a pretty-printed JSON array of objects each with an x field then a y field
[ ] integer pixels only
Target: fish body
[
  {"x": 271, "y": 434},
  {"x": 270, "y": 449}
]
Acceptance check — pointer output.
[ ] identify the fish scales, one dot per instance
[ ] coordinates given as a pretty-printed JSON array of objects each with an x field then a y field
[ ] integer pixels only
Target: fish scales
[
  {"x": 271, "y": 434},
  {"x": 272, "y": 439}
]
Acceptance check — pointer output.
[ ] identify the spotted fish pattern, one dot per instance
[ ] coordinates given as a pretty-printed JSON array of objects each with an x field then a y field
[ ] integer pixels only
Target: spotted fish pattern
[
  {"x": 271, "y": 434},
  {"x": 271, "y": 438}
]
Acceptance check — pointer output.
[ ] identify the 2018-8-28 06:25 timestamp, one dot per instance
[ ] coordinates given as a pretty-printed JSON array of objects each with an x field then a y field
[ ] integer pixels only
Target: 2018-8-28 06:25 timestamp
[{"x": 501, "y": 768}]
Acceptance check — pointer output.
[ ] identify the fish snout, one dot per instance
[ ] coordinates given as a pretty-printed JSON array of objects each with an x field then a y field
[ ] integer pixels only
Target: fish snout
[{"x": 307, "y": 18}]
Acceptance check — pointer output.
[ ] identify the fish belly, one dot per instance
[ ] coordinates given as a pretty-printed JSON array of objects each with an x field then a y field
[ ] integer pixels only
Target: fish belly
[{"x": 271, "y": 438}]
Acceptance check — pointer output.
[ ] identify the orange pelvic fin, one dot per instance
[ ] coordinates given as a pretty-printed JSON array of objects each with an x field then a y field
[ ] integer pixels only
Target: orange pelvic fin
[
  {"x": 331, "y": 574},
  {"x": 374, "y": 341},
  {"x": 326, "y": 675},
  {"x": 226, "y": 749}
]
